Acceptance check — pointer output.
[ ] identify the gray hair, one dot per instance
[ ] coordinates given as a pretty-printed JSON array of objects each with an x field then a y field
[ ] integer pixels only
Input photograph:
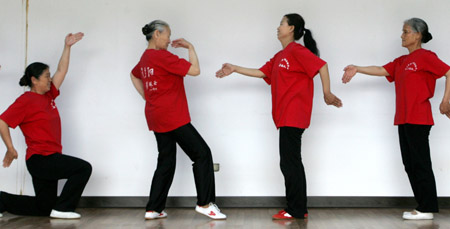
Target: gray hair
[
  {"x": 420, "y": 26},
  {"x": 151, "y": 27}
]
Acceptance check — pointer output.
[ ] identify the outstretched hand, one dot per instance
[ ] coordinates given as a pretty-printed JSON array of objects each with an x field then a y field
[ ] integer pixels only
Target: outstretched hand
[
  {"x": 9, "y": 157},
  {"x": 181, "y": 42},
  {"x": 71, "y": 39},
  {"x": 349, "y": 72},
  {"x": 226, "y": 70},
  {"x": 331, "y": 99}
]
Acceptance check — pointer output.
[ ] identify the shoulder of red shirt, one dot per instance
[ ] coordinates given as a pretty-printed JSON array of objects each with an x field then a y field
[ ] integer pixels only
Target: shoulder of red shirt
[{"x": 53, "y": 92}]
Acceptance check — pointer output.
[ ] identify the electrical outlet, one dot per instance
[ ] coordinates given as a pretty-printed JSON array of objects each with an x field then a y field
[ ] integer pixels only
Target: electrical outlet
[{"x": 216, "y": 167}]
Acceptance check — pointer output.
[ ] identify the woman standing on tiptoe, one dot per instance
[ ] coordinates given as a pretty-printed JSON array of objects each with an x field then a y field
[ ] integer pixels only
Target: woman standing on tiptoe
[
  {"x": 290, "y": 73},
  {"x": 158, "y": 77},
  {"x": 415, "y": 77}
]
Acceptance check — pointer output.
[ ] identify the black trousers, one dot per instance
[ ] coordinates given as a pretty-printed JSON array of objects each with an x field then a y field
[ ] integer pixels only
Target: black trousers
[
  {"x": 197, "y": 150},
  {"x": 293, "y": 171},
  {"x": 415, "y": 150},
  {"x": 45, "y": 172}
]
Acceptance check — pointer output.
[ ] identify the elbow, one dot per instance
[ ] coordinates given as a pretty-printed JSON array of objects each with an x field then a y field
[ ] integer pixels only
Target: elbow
[{"x": 194, "y": 72}]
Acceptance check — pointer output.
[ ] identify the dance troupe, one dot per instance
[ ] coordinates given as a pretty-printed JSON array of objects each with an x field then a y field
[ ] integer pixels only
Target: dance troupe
[{"x": 159, "y": 78}]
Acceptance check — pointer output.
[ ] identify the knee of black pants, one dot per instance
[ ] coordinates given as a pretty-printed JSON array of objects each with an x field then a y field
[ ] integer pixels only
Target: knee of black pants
[
  {"x": 87, "y": 169},
  {"x": 166, "y": 163},
  {"x": 203, "y": 155}
]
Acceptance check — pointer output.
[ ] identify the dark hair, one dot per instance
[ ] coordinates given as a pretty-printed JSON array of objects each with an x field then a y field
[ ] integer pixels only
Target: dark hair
[
  {"x": 420, "y": 26},
  {"x": 151, "y": 27},
  {"x": 299, "y": 30},
  {"x": 33, "y": 70}
]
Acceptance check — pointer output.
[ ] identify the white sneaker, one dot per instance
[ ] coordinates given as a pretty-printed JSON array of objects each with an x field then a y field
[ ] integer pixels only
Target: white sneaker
[
  {"x": 1, "y": 215},
  {"x": 64, "y": 215},
  {"x": 417, "y": 215},
  {"x": 155, "y": 215},
  {"x": 212, "y": 211}
]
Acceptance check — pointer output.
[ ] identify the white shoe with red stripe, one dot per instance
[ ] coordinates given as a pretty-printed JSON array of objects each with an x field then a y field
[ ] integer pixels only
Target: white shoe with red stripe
[
  {"x": 212, "y": 211},
  {"x": 155, "y": 215}
]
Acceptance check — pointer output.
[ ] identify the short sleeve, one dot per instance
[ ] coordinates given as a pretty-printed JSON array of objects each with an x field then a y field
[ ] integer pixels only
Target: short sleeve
[
  {"x": 435, "y": 65},
  {"x": 137, "y": 71},
  {"x": 173, "y": 63},
  {"x": 390, "y": 68},
  {"x": 267, "y": 70},
  {"x": 309, "y": 61},
  {"x": 53, "y": 93},
  {"x": 15, "y": 114}
]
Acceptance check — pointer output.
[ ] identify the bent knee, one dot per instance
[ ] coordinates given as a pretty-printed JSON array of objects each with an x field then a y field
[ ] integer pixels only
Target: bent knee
[{"x": 87, "y": 168}]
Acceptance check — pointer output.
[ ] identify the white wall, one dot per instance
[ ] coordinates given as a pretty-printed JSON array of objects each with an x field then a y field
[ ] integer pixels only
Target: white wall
[{"x": 352, "y": 151}]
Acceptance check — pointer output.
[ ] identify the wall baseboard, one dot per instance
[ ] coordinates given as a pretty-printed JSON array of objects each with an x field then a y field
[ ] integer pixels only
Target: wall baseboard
[{"x": 256, "y": 202}]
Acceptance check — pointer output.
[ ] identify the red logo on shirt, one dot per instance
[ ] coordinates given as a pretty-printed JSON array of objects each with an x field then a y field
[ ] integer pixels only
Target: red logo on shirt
[
  {"x": 411, "y": 67},
  {"x": 284, "y": 63}
]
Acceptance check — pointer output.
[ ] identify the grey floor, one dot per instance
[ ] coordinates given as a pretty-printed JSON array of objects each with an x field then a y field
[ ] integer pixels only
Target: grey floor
[{"x": 186, "y": 218}]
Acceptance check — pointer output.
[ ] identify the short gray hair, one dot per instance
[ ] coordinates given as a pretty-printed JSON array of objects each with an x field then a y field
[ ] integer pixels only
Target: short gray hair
[
  {"x": 420, "y": 26},
  {"x": 151, "y": 27}
]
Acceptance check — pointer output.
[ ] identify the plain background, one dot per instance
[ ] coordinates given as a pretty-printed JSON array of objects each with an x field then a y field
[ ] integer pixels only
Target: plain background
[{"x": 351, "y": 151}]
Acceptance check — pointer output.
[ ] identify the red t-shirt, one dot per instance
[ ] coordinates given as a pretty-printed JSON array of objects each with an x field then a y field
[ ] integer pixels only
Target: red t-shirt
[
  {"x": 162, "y": 74},
  {"x": 415, "y": 80},
  {"x": 38, "y": 118},
  {"x": 290, "y": 73}
]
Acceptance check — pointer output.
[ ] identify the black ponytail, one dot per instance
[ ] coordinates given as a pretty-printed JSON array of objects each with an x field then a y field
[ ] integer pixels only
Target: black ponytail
[
  {"x": 299, "y": 30},
  {"x": 310, "y": 43},
  {"x": 33, "y": 70}
]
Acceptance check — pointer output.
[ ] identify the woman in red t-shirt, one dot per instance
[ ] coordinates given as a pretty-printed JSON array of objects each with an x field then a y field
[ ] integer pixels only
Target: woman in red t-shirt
[
  {"x": 290, "y": 73},
  {"x": 36, "y": 114},
  {"x": 415, "y": 77},
  {"x": 158, "y": 77}
]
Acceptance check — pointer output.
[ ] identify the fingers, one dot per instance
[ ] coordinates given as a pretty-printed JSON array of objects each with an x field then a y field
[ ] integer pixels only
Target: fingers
[
  {"x": 444, "y": 108},
  {"x": 346, "y": 79},
  {"x": 6, "y": 162},
  {"x": 71, "y": 39},
  {"x": 337, "y": 102},
  {"x": 331, "y": 99},
  {"x": 180, "y": 42},
  {"x": 348, "y": 75},
  {"x": 349, "y": 67},
  {"x": 349, "y": 72},
  {"x": 78, "y": 36},
  {"x": 221, "y": 73},
  {"x": 224, "y": 71}
]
